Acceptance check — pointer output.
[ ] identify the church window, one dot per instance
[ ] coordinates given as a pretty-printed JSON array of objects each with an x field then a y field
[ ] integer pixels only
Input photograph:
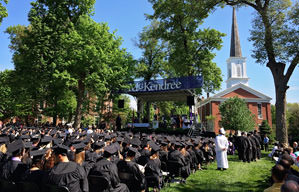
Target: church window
[
  {"x": 239, "y": 70},
  {"x": 259, "y": 110}
]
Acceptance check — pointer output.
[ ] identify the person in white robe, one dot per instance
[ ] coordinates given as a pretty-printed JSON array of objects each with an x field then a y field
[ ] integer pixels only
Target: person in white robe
[{"x": 221, "y": 150}]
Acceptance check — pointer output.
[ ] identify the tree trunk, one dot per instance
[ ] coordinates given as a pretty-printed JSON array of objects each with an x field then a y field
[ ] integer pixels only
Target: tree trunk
[
  {"x": 80, "y": 98},
  {"x": 281, "y": 87},
  {"x": 55, "y": 115},
  {"x": 70, "y": 117},
  {"x": 281, "y": 128}
]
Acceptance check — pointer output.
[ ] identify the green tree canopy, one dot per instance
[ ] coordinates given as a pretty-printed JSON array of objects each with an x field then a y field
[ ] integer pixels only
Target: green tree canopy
[
  {"x": 293, "y": 120},
  {"x": 190, "y": 49},
  {"x": 153, "y": 60},
  {"x": 95, "y": 61},
  {"x": 3, "y": 10},
  {"x": 6, "y": 99},
  {"x": 235, "y": 115},
  {"x": 265, "y": 128}
]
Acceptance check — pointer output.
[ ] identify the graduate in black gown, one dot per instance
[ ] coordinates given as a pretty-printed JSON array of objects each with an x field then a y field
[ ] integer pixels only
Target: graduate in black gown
[
  {"x": 163, "y": 155},
  {"x": 176, "y": 155},
  {"x": 129, "y": 172},
  {"x": 80, "y": 157},
  {"x": 109, "y": 170},
  {"x": 36, "y": 173},
  {"x": 14, "y": 169},
  {"x": 194, "y": 161},
  {"x": 153, "y": 166},
  {"x": 67, "y": 173}
]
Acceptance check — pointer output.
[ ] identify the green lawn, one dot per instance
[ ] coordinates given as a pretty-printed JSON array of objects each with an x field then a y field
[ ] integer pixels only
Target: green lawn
[{"x": 240, "y": 176}]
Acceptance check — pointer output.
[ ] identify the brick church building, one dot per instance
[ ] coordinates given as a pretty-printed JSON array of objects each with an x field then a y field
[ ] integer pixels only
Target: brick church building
[{"x": 237, "y": 85}]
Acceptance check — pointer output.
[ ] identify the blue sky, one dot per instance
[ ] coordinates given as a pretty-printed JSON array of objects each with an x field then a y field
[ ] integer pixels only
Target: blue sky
[{"x": 127, "y": 18}]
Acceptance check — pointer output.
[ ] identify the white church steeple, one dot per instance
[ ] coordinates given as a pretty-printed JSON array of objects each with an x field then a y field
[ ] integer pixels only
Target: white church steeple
[{"x": 236, "y": 64}]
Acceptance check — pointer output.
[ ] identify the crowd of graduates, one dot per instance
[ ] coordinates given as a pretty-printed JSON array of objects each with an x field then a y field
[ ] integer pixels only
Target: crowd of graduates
[
  {"x": 248, "y": 145},
  {"x": 96, "y": 159},
  {"x": 84, "y": 160}
]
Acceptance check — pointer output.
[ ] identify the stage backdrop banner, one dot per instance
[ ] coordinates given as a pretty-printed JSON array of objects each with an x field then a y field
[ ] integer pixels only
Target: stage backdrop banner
[{"x": 172, "y": 84}]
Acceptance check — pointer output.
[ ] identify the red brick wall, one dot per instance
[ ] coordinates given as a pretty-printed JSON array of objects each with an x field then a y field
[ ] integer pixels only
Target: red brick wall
[
  {"x": 241, "y": 93},
  {"x": 253, "y": 107},
  {"x": 216, "y": 113}
]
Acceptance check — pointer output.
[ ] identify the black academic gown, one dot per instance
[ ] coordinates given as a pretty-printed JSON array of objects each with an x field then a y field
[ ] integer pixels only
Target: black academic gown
[
  {"x": 248, "y": 149},
  {"x": 194, "y": 161},
  {"x": 186, "y": 170},
  {"x": 35, "y": 176},
  {"x": 178, "y": 157},
  {"x": 241, "y": 149},
  {"x": 87, "y": 165},
  {"x": 254, "y": 148},
  {"x": 199, "y": 155},
  {"x": 163, "y": 155},
  {"x": 68, "y": 174},
  {"x": 144, "y": 158},
  {"x": 109, "y": 170},
  {"x": 13, "y": 171},
  {"x": 258, "y": 142},
  {"x": 136, "y": 181},
  {"x": 153, "y": 168}
]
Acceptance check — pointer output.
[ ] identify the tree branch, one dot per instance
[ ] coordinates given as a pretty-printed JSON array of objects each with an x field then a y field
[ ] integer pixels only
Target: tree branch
[
  {"x": 232, "y": 3},
  {"x": 291, "y": 68},
  {"x": 266, "y": 4}
]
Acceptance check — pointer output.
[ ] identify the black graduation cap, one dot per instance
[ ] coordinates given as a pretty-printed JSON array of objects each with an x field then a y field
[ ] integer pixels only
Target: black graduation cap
[
  {"x": 28, "y": 145},
  {"x": 178, "y": 144},
  {"x": 61, "y": 149},
  {"x": 57, "y": 141},
  {"x": 38, "y": 154},
  {"x": 126, "y": 140},
  {"x": 53, "y": 132},
  {"x": 154, "y": 147},
  {"x": 4, "y": 139},
  {"x": 87, "y": 140},
  {"x": 79, "y": 147},
  {"x": 145, "y": 141},
  {"x": 62, "y": 135},
  {"x": 111, "y": 149},
  {"x": 98, "y": 145},
  {"x": 132, "y": 151},
  {"x": 76, "y": 141},
  {"x": 25, "y": 137},
  {"x": 46, "y": 139},
  {"x": 119, "y": 139},
  {"x": 35, "y": 137},
  {"x": 135, "y": 141},
  {"x": 163, "y": 143},
  {"x": 15, "y": 146},
  {"x": 196, "y": 142},
  {"x": 107, "y": 137}
]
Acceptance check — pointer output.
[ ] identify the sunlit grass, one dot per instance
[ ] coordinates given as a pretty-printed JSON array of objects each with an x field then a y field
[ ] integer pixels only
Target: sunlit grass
[{"x": 240, "y": 176}]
